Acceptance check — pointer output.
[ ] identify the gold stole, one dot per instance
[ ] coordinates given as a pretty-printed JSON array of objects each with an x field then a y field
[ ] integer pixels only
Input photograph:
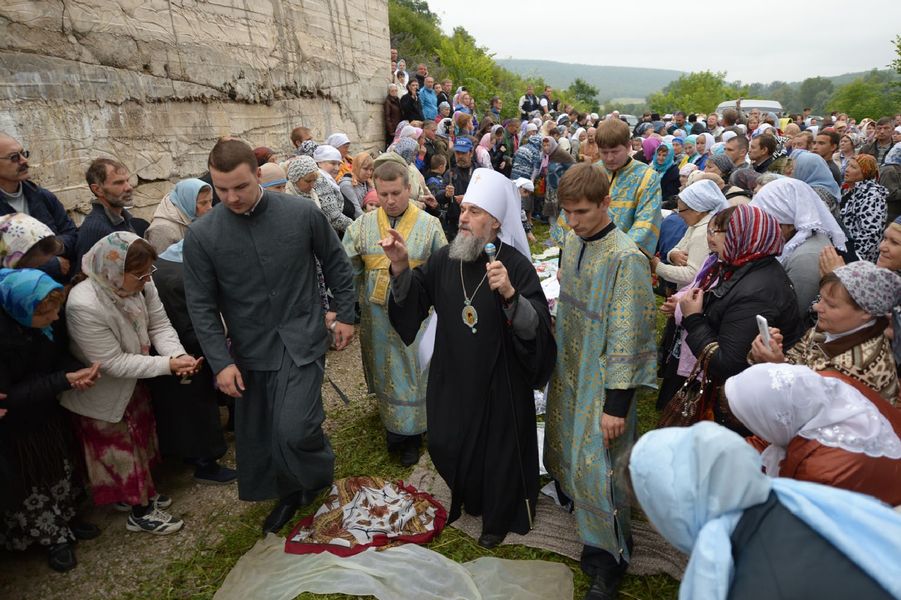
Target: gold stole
[{"x": 379, "y": 262}]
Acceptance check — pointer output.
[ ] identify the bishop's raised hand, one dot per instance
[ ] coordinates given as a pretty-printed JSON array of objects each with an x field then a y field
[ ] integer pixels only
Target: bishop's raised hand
[{"x": 395, "y": 249}]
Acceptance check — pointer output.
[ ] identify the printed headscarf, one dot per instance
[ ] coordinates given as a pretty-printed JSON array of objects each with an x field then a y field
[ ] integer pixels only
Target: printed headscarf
[
  {"x": 300, "y": 167},
  {"x": 894, "y": 155},
  {"x": 18, "y": 233},
  {"x": 21, "y": 291},
  {"x": 104, "y": 264},
  {"x": 307, "y": 148},
  {"x": 407, "y": 148},
  {"x": 875, "y": 289},
  {"x": 751, "y": 235}
]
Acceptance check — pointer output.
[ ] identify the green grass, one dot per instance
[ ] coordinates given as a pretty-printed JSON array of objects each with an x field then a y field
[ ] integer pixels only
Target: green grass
[{"x": 358, "y": 441}]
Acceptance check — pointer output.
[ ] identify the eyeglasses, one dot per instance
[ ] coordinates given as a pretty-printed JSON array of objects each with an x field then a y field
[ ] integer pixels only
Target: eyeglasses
[
  {"x": 145, "y": 275},
  {"x": 18, "y": 156},
  {"x": 715, "y": 231}
]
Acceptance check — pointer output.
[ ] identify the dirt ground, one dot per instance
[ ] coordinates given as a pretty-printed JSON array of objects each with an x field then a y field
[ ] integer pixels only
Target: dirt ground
[{"x": 115, "y": 563}]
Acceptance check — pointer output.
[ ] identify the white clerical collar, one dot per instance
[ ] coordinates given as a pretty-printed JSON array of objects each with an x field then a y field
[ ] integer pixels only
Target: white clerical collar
[{"x": 257, "y": 203}]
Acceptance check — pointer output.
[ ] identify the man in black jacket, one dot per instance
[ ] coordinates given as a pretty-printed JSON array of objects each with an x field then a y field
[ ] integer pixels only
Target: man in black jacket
[
  {"x": 456, "y": 181},
  {"x": 108, "y": 180},
  {"x": 19, "y": 194}
]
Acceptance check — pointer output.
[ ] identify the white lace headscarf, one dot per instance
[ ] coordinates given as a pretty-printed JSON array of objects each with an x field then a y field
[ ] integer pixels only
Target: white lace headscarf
[
  {"x": 793, "y": 202},
  {"x": 779, "y": 402}
]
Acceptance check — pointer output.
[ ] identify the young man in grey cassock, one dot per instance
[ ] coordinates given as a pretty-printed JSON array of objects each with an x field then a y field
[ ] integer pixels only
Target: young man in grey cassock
[{"x": 252, "y": 261}]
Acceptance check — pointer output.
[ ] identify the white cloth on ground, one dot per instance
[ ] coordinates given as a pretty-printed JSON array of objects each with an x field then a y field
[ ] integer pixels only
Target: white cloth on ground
[{"x": 409, "y": 571}]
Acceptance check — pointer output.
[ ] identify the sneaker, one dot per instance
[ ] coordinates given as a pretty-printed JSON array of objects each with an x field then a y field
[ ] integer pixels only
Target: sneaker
[
  {"x": 157, "y": 522},
  {"x": 158, "y": 501}
]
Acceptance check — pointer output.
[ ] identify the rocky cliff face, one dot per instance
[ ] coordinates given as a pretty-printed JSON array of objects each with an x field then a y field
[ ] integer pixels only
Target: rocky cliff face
[{"x": 154, "y": 83}]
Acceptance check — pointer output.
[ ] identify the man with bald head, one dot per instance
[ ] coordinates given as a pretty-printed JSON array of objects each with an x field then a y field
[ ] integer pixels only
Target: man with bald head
[{"x": 18, "y": 194}]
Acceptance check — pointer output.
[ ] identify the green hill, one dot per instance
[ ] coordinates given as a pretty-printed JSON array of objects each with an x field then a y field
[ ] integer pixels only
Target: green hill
[{"x": 612, "y": 82}]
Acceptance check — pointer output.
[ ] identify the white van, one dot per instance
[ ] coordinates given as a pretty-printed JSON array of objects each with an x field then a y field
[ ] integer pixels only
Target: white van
[{"x": 763, "y": 106}]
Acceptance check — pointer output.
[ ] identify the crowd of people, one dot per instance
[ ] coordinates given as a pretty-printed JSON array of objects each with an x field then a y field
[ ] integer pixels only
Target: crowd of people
[{"x": 774, "y": 243}]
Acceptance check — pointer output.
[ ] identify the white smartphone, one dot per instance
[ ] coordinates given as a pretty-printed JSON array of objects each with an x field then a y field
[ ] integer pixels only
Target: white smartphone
[{"x": 764, "y": 328}]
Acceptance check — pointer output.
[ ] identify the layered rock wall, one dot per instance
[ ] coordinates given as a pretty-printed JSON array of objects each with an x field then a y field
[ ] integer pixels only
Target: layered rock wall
[{"x": 154, "y": 83}]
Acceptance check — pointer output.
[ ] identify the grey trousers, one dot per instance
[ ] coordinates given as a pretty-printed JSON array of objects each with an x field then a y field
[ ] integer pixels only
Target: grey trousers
[{"x": 279, "y": 443}]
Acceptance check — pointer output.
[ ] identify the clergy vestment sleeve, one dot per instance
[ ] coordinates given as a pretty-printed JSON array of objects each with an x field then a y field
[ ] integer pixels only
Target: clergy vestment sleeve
[
  {"x": 522, "y": 318},
  {"x": 411, "y": 298},
  {"x": 336, "y": 267},
  {"x": 646, "y": 227},
  {"x": 202, "y": 293},
  {"x": 631, "y": 327}
]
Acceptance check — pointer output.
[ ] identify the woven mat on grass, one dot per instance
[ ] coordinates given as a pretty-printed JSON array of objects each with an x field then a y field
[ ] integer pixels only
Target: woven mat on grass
[{"x": 555, "y": 529}]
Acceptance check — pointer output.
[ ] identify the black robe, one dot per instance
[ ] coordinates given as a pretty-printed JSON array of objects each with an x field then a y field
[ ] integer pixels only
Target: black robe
[
  {"x": 187, "y": 414},
  {"x": 480, "y": 404}
]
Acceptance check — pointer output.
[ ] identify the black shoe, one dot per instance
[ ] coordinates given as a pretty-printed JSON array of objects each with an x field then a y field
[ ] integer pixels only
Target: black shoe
[
  {"x": 61, "y": 557},
  {"x": 491, "y": 540},
  {"x": 282, "y": 513},
  {"x": 308, "y": 497},
  {"x": 213, "y": 473},
  {"x": 83, "y": 530},
  {"x": 409, "y": 456},
  {"x": 604, "y": 588}
]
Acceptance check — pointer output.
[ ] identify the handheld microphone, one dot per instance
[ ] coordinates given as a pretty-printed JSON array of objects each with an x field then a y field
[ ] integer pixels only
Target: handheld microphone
[{"x": 491, "y": 251}]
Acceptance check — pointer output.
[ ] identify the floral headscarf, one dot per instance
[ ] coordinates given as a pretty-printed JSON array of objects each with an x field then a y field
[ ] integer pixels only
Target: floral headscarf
[
  {"x": 407, "y": 148},
  {"x": 104, "y": 264},
  {"x": 18, "y": 233},
  {"x": 21, "y": 291}
]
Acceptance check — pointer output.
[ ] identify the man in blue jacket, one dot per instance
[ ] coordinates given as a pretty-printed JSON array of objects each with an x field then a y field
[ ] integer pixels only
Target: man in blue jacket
[{"x": 19, "y": 194}]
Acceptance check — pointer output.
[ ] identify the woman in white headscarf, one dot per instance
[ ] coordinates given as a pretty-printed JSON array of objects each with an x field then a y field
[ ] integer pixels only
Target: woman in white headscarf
[
  {"x": 824, "y": 428},
  {"x": 704, "y": 149},
  {"x": 807, "y": 227},
  {"x": 696, "y": 205},
  {"x": 750, "y": 536}
]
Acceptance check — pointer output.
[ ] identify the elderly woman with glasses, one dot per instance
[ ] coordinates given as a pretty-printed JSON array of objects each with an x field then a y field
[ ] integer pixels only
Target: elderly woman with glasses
[{"x": 114, "y": 316}]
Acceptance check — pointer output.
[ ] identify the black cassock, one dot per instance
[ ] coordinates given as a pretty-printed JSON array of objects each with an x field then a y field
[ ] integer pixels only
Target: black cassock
[{"x": 480, "y": 404}]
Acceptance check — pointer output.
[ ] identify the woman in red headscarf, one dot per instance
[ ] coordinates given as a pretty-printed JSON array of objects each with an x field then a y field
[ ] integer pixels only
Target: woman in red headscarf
[{"x": 750, "y": 282}]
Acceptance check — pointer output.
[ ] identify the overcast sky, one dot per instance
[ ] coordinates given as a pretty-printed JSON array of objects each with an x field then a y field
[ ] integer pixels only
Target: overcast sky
[{"x": 786, "y": 40}]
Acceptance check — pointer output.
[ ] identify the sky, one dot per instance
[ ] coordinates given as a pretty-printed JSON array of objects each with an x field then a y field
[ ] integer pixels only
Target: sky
[{"x": 833, "y": 37}]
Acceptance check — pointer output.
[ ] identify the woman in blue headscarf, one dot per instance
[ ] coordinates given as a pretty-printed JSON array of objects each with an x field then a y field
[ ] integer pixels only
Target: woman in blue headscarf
[
  {"x": 812, "y": 170},
  {"x": 187, "y": 410},
  {"x": 40, "y": 486},
  {"x": 189, "y": 199},
  {"x": 751, "y": 536}
]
